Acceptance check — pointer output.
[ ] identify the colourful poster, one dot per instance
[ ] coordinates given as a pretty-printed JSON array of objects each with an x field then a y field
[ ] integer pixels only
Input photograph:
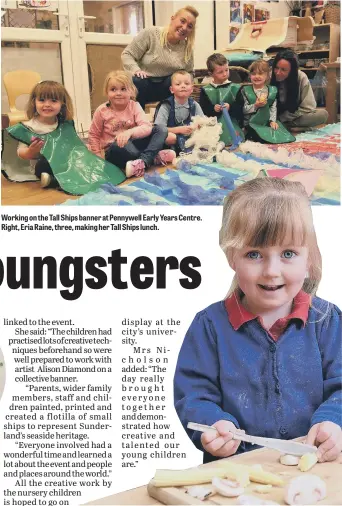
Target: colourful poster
[
  {"x": 235, "y": 12},
  {"x": 248, "y": 13},
  {"x": 261, "y": 14},
  {"x": 233, "y": 31}
]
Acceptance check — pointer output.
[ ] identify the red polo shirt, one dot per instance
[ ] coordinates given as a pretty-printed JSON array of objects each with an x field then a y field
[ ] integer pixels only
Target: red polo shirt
[{"x": 238, "y": 314}]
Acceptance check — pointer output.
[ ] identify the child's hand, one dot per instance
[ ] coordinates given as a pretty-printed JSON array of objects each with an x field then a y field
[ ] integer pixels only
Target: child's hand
[
  {"x": 327, "y": 436},
  {"x": 185, "y": 130},
  {"x": 226, "y": 106},
  {"x": 122, "y": 138},
  {"x": 217, "y": 108},
  {"x": 34, "y": 148},
  {"x": 222, "y": 445},
  {"x": 260, "y": 103},
  {"x": 274, "y": 125}
]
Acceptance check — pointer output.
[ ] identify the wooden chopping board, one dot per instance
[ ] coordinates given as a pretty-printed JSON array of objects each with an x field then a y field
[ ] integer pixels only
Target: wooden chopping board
[{"x": 330, "y": 472}]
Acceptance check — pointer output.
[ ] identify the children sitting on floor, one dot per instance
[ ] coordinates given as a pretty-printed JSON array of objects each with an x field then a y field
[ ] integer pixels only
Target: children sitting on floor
[
  {"x": 177, "y": 111},
  {"x": 221, "y": 91},
  {"x": 260, "y": 107},
  {"x": 50, "y": 143},
  {"x": 120, "y": 131}
]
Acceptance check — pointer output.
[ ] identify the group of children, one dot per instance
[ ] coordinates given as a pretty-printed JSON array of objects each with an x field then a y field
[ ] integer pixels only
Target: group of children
[
  {"x": 121, "y": 133},
  {"x": 267, "y": 359}
]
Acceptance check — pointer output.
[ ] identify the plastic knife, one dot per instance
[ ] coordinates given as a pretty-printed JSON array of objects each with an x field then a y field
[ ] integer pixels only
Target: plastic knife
[{"x": 288, "y": 447}]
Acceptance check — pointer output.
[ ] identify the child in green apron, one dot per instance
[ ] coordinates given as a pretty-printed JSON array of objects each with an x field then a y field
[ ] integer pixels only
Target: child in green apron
[
  {"x": 260, "y": 108},
  {"x": 51, "y": 148},
  {"x": 221, "y": 91}
]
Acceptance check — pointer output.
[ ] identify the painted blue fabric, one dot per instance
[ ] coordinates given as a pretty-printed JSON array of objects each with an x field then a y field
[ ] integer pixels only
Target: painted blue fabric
[
  {"x": 271, "y": 389},
  {"x": 209, "y": 183}
]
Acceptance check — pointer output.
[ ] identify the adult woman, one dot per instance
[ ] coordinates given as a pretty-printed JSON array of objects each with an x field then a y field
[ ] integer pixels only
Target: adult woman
[
  {"x": 296, "y": 102},
  {"x": 156, "y": 52}
]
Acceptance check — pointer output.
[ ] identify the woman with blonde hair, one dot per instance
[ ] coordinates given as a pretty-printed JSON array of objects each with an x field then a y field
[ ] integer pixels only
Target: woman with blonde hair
[{"x": 157, "y": 52}]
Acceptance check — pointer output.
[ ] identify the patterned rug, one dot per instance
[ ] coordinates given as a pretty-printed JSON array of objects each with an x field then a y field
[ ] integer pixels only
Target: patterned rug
[{"x": 208, "y": 184}]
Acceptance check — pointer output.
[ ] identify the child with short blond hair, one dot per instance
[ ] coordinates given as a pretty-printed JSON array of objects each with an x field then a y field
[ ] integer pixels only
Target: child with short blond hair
[
  {"x": 177, "y": 111},
  {"x": 267, "y": 359},
  {"x": 120, "y": 130}
]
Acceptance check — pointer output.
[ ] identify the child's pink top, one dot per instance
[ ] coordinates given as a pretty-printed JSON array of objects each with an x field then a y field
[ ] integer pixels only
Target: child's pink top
[{"x": 107, "y": 123}]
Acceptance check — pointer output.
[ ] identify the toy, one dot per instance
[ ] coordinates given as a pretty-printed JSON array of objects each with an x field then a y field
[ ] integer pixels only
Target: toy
[
  {"x": 205, "y": 141},
  {"x": 229, "y": 94},
  {"x": 236, "y": 138}
]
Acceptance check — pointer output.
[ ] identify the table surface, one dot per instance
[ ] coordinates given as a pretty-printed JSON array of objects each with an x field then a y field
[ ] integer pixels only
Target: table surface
[{"x": 330, "y": 472}]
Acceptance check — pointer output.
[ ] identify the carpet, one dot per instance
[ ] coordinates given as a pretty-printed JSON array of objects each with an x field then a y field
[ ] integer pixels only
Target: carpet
[{"x": 208, "y": 184}]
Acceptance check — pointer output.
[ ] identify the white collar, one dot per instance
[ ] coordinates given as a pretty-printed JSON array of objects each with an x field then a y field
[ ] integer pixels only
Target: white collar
[{"x": 216, "y": 85}]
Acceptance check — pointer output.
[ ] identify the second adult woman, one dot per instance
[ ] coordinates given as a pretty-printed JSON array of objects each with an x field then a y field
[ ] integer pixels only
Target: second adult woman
[
  {"x": 296, "y": 102},
  {"x": 156, "y": 52}
]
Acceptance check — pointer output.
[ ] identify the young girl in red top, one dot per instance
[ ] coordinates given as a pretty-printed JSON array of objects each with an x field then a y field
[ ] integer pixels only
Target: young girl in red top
[
  {"x": 267, "y": 360},
  {"x": 120, "y": 130}
]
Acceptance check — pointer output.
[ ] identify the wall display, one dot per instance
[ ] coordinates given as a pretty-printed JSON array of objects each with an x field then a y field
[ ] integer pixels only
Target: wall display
[
  {"x": 248, "y": 13},
  {"x": 262, "y": 14},
  {"x": 38, "y": 4},
  {"x": 233, "y": 31},
  {"x": 235, "y": 12}
]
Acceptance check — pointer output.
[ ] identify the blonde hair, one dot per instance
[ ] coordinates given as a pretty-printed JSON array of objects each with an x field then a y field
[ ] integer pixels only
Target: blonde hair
[
  {"x": 123, "y": 78},
  {"x": 53, "y": 91},
  {"x": 262, "y": 67},
  {"x": 190, "y": 40},
  {"x": 266, "y": 212},
  {"x": 181, "y": 73}
]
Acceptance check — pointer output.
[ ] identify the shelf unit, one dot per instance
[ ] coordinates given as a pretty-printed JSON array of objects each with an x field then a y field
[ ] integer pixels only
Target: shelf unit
[{"x": 329, "y": 35}]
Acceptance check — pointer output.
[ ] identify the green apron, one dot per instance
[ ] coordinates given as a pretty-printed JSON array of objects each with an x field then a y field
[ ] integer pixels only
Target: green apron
[
  {"x": 77, "y": 170},
  {"x": 258, "y": 127},
  {"x": 220, "y": 94}
]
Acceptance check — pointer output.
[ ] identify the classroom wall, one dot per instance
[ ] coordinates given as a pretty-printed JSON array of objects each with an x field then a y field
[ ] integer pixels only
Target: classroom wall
[
  {"x": 204, "y": 43},
  {"x": 277, "y": 10}
]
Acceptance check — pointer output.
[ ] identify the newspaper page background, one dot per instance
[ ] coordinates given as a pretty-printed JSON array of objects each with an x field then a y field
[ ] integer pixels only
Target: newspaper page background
[{"x": 65, "y": 435}]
